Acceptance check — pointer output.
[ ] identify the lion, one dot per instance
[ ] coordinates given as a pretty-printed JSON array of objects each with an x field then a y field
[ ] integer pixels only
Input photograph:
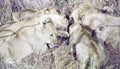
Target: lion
[
  {"x": 24, "y": 14},
  {"x": 88, "y": 52},
  {"x": 20, "y": 39},
  {"x": 105, "y": 26},
  {"x": 80, "y": 11}
]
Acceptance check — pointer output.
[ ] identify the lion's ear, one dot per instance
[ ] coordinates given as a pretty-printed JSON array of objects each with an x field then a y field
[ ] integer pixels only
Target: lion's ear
[
  {"x": 62, "y": 33},
  {"x": 15, "y": 16}
]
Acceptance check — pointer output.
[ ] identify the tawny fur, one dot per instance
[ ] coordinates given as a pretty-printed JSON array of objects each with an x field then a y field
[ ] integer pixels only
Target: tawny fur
[
  {"x": 105, "y": 26},
  {"x": 25, "y": 37},
  {"x": 28, "y": 13},
  {"x": 87, "y": 50},
  {"x": 81, "y": 10}
]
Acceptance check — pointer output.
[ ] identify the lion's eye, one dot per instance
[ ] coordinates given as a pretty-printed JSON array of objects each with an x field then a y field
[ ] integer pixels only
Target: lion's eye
[
  {"x": 51, "y": 34},
  {"x": 101, "y": 28},
  {"x": 44, "y": 23}
]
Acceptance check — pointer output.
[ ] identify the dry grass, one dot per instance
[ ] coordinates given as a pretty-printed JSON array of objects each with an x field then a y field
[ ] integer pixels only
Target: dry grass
[
  {"x": 55, "y": 58},
  {"x": 60, "y": 57}
]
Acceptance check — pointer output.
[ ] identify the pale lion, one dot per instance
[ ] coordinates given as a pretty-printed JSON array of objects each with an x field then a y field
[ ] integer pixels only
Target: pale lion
[
  {"x": 20, "y": 39},
  {"x": 59, "y": 21},
  {"x": 87, "y": 50},
  {"x": 105, "y": 26},
  {"x": 81, "y": 10},
  {"x": 28, "y": 13}
]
